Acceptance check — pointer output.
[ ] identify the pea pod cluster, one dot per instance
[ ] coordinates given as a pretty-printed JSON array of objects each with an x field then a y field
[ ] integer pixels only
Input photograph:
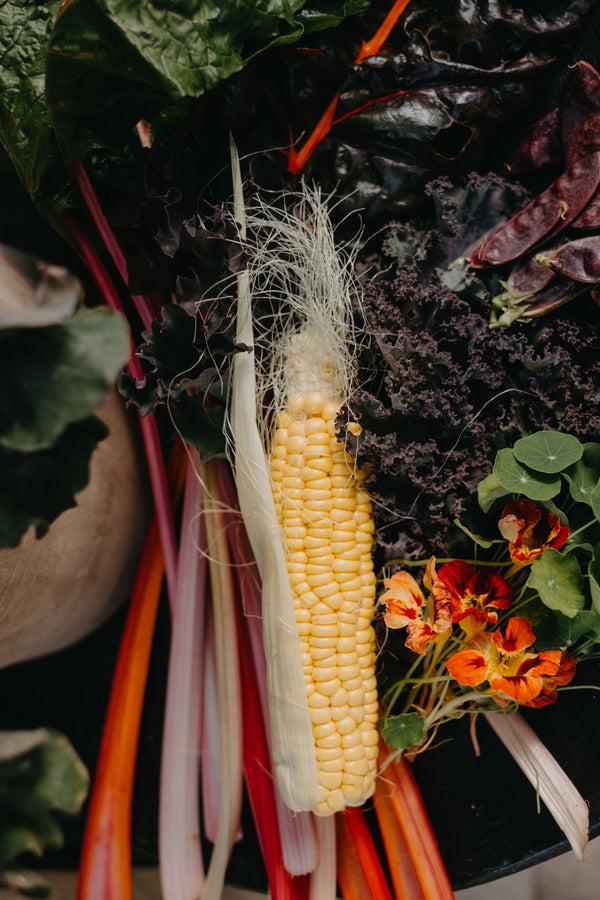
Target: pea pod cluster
[{"x": 553, "y": 245}]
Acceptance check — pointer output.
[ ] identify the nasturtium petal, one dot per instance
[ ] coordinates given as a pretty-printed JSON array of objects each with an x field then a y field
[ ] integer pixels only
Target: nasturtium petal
[
  {"x": 582, "y": 480},
  {"x": 549, "y": 452},
  {"x": 519, "y": 479},
  {"x": 404, "y": 731},
  {"x": 558, "y": 580}
]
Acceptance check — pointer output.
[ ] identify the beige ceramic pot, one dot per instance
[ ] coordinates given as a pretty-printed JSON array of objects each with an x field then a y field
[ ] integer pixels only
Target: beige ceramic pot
[{"x": 56, "y": 590}]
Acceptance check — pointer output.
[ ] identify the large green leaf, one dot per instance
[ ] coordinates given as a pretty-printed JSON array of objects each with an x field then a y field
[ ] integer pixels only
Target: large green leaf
[
  {"x": 25, "y": 126},
  {"x": 558, "y": 580},
  {"x": 54, "y": 376},
  {"x": 114, "y": 62}
]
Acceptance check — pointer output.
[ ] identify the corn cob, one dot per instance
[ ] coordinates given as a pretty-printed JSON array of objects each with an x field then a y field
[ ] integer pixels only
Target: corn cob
[
  {"x": 308, "y": 519},
  {"x": 327, "y": 526}
]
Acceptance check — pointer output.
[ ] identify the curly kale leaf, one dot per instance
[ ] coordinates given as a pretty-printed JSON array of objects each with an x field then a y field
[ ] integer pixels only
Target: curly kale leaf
[
  {"x": 447, "y": 392},
  {"x": 189, "y": 353}
]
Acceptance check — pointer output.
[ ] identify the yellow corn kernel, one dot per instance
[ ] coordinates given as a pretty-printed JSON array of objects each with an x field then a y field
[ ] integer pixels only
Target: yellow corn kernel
[{"x": 327, "y": 525}]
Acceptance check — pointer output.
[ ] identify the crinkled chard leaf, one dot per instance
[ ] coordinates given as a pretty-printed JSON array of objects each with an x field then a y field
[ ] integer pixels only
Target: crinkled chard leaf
[{"x": 25, "y": 126}]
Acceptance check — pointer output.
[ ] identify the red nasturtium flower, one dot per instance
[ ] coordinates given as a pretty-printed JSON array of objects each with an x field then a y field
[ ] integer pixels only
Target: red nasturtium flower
[
  {"x": 512, "y": 670},
  {"x": 406, "y": 608},
  {"x": 529, "y": 528},
  {"x": 566, "y": 671},
  {"x": 475, "y": 595}
]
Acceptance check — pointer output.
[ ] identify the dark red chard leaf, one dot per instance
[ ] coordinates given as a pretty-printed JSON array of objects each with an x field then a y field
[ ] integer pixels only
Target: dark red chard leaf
[
  {"x": 546, "y": 215},
  {"x": 580, "y": 113},
  {"x": 541, "y": 146},
  {"x": 579, "y": 260}
]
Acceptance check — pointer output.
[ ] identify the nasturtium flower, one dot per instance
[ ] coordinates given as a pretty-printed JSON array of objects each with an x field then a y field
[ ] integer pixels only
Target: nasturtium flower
[
  {"x": 406, "y": 608},
  {"x": 529, "y": 528},
  {"x": 475, "y": 594},
  {"x": 513, "y": 671},
  {"x": 551, "y": 683}
]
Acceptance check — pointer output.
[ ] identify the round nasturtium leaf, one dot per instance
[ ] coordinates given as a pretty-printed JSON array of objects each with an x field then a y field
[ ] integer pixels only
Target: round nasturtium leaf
[
  {"x": 558, "y": 580},
  {"x": 519, "y": 479},
  {"x": 582, "y": 480},
  {"x": 548, "y": 451},
  {"x": 404, "y": 731}
]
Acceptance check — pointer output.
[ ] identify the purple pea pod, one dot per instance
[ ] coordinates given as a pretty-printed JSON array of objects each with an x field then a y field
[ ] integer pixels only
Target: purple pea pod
[
  {"x": 543, "y": 217},
  {"x": 589, "y": 217},
  {"x": 541, "y": 146},
  {"x": 559, "y": 293},
  {"x": 580, "y": 113},
  {"x": 579, "y": 260},
  {"x": 528, "y": 276}
]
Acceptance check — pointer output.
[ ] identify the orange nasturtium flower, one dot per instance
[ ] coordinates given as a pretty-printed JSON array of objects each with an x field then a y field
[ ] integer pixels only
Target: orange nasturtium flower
[
  {"x": 475, "y": 595},
  {"x": 529, "y": 528},
  {"x": 513, "y": 671},
  {"x": 406, "y": 608}
]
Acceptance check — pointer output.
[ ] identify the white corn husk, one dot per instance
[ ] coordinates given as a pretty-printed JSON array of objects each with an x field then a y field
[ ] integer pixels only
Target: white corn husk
[
  {"x": 291, "y": 730},
  {"x": 556, "y": 790}
]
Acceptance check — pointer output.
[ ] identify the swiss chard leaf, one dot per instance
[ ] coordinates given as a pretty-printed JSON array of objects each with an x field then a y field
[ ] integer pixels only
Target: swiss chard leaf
[{"x": 25, "y": 126}]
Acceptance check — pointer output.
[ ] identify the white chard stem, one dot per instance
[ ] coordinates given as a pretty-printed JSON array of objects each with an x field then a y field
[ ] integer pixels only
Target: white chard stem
[{"x": 557, "y": 791}]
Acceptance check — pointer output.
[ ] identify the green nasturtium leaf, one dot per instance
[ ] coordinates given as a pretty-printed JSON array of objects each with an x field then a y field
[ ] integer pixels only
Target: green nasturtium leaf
[
  {"x": 582, "y": 480},
  {"x": 478, "y": 539},
  {"x": 594, "y": 578},
  {"x": 43, "y": 777},
  {"x": 404, "y": 731},
  {"x": 519, "y": 479},
  {"x": 595, "y": 501},
  {"x": 558, "y": 580},
  {"x": 54, "y": 376},
  {"x": 557, "y": 630},
  {"x": 548, "y": 451},
  {"x": 489, "y": 490},
  {"x": 591, "y": 455}
]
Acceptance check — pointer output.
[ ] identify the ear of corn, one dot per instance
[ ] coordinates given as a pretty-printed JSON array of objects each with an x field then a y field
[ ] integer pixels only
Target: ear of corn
[
  {"x": 327, "y": 527},
  {"x": 312, "y": 537}
]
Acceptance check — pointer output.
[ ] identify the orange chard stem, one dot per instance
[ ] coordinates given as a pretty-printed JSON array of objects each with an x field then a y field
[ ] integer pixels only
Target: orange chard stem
[
  {"x": 416, "y": 829},
  {"x": 366, "y": 855},
  {"x": 368, "y": 48},
  {"x": 298, "y": 158},
  {"x": 105, "y": 869},
  {"x": 404, "y": 876}
]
